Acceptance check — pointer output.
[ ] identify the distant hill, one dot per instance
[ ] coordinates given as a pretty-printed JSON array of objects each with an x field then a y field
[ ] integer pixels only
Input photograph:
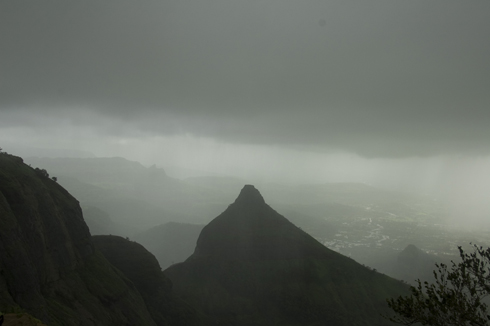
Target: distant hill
[
  {"x": 49, "y": 266},
  {"x": 171, "y": 242},
  {"x": 413, "y": 263},
  {"x": 408, "y": 265},
  {"x": 141, "y": 267},
  {"x": 251, "y": 266}
]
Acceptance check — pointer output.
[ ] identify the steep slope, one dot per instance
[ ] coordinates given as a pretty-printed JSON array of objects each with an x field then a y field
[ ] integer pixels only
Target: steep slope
[
  {"x": 171, "y": 242},
  {"x": 142, "y": 268},
  {"x": 48, "y": 264},
  {"x": 251, "y": 266},
  {"x": 20, "y": 319}
]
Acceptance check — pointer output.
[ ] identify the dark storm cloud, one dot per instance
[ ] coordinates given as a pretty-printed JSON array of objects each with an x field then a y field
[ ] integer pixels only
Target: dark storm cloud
[{"x": 380, "y": 78}]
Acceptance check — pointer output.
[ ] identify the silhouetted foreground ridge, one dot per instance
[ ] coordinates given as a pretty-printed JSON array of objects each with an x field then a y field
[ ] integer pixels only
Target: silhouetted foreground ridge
[
  {"x": 142, "y": 268},
  {"x": 48, "y": 264},
  {"x": 251, "y": 266}
]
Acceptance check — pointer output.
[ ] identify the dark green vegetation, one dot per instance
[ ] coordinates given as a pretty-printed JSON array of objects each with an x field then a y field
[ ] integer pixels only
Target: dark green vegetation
[
  {"x": 455, "y": 298},
  {"x": 252, "y": 266},
  {"x": 171, "y": 242},
  {"x": 142, "y": 268},
  {"x": 49, "y": 266}
]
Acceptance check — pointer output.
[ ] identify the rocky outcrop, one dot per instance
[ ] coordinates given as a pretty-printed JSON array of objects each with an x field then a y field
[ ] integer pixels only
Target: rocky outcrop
[{"x": 48, "y": 264}]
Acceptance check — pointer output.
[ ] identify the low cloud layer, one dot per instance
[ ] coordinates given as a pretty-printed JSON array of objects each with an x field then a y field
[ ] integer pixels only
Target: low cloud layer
[{"x": 376, "y": 78}]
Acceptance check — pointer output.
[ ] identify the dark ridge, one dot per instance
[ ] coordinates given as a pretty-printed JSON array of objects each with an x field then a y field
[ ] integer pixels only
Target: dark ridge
[
  {"x": 49, "y": 267},
  {"x": 250, "y": 229},
  {"x": 142, "y": 268},
  {"x": 252, "y": 266}
]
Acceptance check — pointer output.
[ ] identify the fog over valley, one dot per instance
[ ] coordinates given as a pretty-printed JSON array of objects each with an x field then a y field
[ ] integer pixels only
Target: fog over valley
[{"x": 218, "y": 129}]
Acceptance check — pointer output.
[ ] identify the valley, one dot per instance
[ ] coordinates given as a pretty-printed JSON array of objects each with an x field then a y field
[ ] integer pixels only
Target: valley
[
  {"x": 368, "y": 224},
  {"x": 297, "y": 265}
]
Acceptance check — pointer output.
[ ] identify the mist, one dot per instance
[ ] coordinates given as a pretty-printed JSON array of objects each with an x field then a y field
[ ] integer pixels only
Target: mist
[
  {"x": 239, "y": 161},
  {"x": 392, "y": 94}
]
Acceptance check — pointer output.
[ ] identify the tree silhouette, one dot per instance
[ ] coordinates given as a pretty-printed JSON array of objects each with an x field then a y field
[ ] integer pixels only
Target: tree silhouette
[
  {"x": 42, "y": 172},
  {"x": 456, "y": 297}
]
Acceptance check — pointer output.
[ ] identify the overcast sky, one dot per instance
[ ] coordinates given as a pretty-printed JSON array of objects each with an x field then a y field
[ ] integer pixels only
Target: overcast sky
[{"x": 338, "y": 90}]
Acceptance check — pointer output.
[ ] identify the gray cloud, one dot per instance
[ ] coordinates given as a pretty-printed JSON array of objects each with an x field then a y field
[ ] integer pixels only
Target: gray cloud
[{"x": 378, "y": 78}]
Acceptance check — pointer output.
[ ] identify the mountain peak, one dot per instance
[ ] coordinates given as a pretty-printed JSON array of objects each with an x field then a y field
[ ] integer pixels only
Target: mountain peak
[
  {"x": 263, "y": 270},
  {"x": 249, "y": 195},
  {"x": 250, "y": 229}
]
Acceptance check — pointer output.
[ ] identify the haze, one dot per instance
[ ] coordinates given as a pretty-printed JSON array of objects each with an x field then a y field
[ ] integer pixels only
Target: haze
[{"x": 393, "y": 94}]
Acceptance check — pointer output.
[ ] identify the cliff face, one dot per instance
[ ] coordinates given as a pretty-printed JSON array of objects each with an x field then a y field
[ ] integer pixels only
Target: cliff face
[{"x": 48, "y": 264}]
